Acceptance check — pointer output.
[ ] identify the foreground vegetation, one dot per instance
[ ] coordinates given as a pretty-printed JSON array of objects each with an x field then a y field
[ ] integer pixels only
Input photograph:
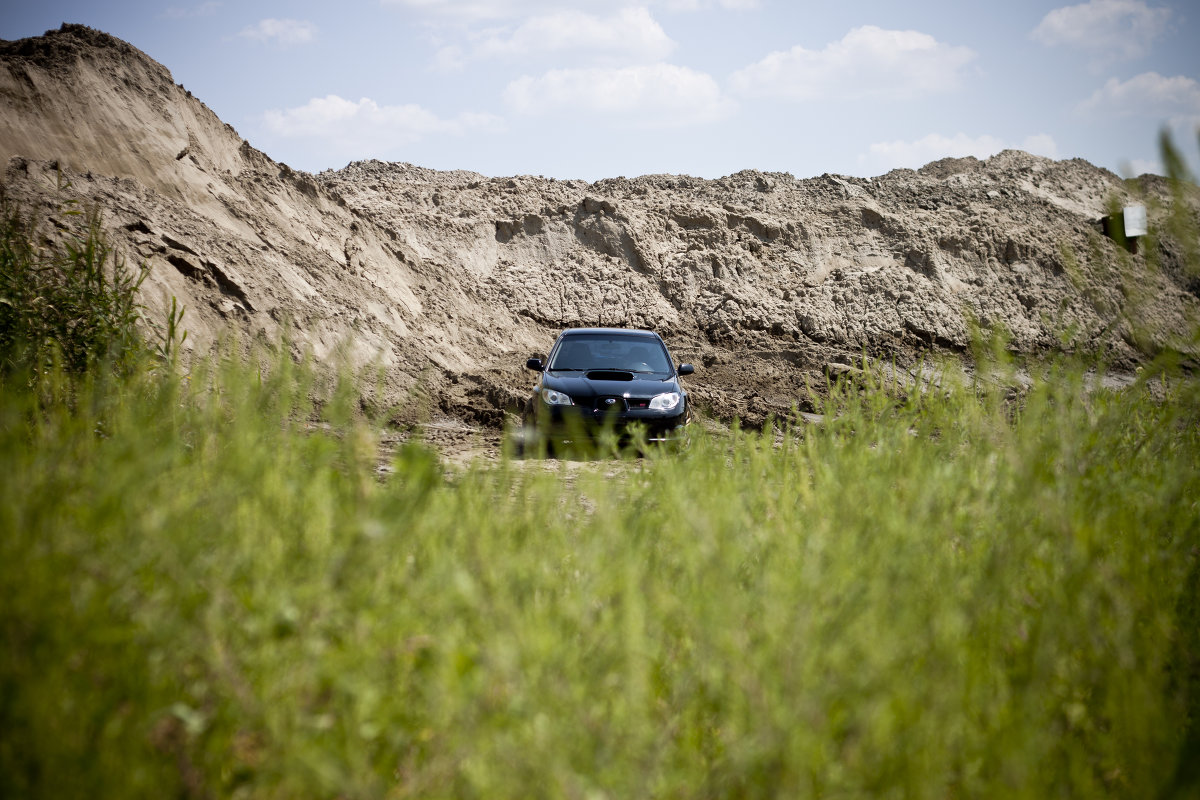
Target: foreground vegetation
[
  {"x": 202, "y": 594},
  {"x": 207, "y": 590}
]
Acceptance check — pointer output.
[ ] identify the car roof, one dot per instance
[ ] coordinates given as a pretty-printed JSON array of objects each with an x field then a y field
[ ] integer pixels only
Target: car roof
[{"x": 621, "y": 331}]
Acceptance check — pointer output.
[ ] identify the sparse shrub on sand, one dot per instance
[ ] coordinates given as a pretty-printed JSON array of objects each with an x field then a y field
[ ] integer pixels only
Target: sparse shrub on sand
[{"x": 75, "y": 302}]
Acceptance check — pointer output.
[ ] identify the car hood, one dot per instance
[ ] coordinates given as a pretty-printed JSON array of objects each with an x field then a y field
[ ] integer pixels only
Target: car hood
[{"x": 598, "y": 383}]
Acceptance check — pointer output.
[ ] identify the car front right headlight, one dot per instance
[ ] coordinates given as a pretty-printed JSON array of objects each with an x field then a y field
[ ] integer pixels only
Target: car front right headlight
[
  {"x": 553, "y": 398},
  {"x": 665, "y": 402}
]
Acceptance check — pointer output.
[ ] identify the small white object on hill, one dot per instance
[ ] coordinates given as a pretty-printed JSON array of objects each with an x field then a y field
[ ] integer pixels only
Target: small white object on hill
[{"x": 1135, "y": 220}]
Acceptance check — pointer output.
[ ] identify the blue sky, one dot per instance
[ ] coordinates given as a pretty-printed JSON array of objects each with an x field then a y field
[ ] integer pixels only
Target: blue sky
[{"x": 702, "y": 87}]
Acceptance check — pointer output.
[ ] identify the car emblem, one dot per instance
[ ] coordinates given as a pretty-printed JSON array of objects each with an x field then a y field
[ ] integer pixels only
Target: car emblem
[{"x": 609, "y": 401}]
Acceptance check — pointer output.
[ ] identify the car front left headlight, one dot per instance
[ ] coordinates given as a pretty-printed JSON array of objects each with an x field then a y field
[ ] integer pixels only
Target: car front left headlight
[
  {"x": 665, "y": 401},
  {"x": 553, "y": 398}
]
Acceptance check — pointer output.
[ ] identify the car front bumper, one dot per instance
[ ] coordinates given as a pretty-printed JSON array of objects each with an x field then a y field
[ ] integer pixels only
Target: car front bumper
[{"x": 569, "y": 423}]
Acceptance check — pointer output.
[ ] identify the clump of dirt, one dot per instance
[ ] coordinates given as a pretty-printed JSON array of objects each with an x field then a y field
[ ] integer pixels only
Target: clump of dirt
[{"x": 440, "y": 284}]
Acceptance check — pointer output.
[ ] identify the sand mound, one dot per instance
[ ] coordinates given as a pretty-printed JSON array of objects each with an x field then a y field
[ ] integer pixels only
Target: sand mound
[{"x": 448, "y": 280}]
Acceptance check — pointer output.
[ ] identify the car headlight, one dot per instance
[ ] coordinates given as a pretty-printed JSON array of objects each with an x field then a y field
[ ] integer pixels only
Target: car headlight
[
  {"x": 553, "y": 398},
  {"x": 665, "y": 402}
]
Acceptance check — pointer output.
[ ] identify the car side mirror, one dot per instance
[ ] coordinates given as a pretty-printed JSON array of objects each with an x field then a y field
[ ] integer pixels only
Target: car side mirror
[
  {"x": 685, "y": 369},
  {"x": 534, "y": 364}
]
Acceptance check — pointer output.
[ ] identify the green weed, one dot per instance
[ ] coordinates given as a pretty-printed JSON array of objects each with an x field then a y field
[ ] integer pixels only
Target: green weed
[
  {"x": 207, "y": 589},
  {"x": 75, "y": 303},
  {"x": 204, "y": 593}
]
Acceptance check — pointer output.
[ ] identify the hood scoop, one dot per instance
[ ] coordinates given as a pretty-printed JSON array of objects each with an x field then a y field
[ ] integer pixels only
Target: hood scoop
[{"x": 609, "y": 375}]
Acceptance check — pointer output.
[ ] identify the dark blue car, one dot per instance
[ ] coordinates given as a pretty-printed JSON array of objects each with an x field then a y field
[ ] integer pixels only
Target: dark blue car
[{"x": 607, "y": 378}]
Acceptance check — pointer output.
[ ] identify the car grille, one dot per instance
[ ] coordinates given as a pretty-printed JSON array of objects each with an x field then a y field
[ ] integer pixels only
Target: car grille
[
  {"x": 619, "y": 405},
  {"x": 611, "y": 404}
]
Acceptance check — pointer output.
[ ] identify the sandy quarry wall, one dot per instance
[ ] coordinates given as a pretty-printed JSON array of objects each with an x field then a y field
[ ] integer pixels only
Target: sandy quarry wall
[{"x": 448, "y": 280}]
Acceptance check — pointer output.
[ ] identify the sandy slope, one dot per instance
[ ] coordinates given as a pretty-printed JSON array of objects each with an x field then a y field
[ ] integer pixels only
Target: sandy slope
[{"x": 448, "y": 280}]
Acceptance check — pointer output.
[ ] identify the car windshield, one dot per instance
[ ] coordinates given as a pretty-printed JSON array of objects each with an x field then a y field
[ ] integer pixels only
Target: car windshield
[{"x": 590, "y": 351}]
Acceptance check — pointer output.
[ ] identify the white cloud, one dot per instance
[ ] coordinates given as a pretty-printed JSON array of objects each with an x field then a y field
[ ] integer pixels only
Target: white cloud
[
  {"x": 655, "y": 95},
  {"x": 868, "y": 62},
  {"x": 364, "y": 128},
  {"x": 282, "y": 31},
  {"x": 1124, "y": 28},
  {"x": 1184, "y": 134},
  {"x": 450, "y": 58},
  {"x": 884, "y": 156},
  {"x": 630, "y": 34},
  {"x": 1148, "y": 94},
  {"x": 696, "y": 5},
  {"x": 475, "y": 11},
  {"x": 1040, "y": 144},
  {"x": 1142, "y": 166}
]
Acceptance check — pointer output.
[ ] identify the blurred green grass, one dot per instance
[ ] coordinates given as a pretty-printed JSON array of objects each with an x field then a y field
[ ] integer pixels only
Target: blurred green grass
[
  {"x": 205, "y": 594},
  {"x": 207, "y": 589}
]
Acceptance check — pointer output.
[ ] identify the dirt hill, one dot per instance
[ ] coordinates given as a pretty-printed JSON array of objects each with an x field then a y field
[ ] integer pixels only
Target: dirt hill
[{"x": 449, "y": 280}]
